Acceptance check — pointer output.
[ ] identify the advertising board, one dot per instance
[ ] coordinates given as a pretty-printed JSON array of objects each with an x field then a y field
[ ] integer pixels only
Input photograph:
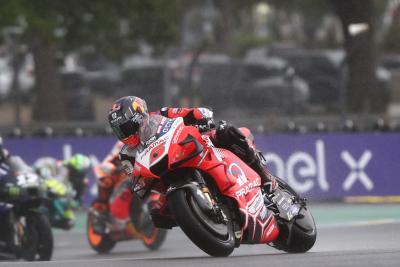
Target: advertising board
[{"x": 318, "y": 166}]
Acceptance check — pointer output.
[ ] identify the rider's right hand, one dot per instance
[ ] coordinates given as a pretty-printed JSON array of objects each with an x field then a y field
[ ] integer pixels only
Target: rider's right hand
[{"x": 205, "y": 125}]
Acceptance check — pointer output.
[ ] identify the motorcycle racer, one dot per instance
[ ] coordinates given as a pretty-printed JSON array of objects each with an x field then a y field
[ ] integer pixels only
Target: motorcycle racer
[
  {"x": 72, "y": 172},
  {"x": 108, "y": 174},
  {"x": 134, "y": 126},
  {"x": 4, "y": 154},
  {"x": 77, "y": 168}
]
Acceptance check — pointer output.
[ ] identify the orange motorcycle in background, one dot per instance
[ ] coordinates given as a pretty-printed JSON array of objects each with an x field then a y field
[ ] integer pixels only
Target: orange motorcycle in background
[{"x": 125, "y": 216}]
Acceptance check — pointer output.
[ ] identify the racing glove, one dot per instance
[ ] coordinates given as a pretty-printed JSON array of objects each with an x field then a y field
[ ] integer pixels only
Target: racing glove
[{"x": 191, "y": 116}]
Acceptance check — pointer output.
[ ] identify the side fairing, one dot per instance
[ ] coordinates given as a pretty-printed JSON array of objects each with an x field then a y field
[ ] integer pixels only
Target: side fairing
[
  {"x": 238, "y": 181},
  {"x": 235, "y": 178}
]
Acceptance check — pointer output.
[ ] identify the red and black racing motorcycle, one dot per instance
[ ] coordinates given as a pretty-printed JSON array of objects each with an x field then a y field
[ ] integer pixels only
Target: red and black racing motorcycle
[{"x": 216, "y": 198}]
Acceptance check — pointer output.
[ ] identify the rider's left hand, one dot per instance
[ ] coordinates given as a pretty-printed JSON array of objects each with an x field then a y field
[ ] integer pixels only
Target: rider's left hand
[{"x": 207, "y": 121}]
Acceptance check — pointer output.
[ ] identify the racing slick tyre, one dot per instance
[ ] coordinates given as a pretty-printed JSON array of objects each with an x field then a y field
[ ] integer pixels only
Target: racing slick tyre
[
  {"x": 155, "y": 240},
  {"x": 37, "y": 243},
  {"x": 101, "y": 243},
  {"x": 297, "y": 236},
  {"x": 214, "y": 238}
]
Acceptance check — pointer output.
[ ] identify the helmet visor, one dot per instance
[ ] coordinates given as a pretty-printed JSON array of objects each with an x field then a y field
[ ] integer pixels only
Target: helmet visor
[{"x": 126, "y": 129}]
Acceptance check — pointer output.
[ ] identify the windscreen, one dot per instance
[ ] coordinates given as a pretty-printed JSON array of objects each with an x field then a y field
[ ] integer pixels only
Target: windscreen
[{"x": 148, "y": 132}]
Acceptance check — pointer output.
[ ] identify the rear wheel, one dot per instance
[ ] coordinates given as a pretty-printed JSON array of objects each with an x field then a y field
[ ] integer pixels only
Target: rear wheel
[
  {"x": 213, "y": 236},
  {"x": 101, "y": 243},
  {"x": 300, "y": 234}
]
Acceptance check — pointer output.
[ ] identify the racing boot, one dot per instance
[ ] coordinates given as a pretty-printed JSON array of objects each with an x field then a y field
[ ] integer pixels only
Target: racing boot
[
  {"x": 230, "y": 137},
  {"x": 268, "y": 182}
]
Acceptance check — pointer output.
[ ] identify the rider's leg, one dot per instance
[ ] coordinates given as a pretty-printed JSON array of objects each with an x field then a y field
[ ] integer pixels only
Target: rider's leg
[
  {"x": 230, "y": 137},
  {"x": 268, "y": 181}
]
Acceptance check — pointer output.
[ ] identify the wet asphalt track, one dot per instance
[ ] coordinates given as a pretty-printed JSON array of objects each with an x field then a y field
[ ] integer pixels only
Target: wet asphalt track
[{"x": 356, "y": 237}]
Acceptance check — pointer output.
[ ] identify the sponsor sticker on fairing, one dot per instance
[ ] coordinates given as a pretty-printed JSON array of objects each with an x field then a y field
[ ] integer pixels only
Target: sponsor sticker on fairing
[
  {"x": 160, "y": 126},
  {"x": 208, "y": 141},
  {"x": 177, "y": 134},
  {"x": 248, "y": 187},
  {"x": 153, "y": 145},
  {"x": 235, "y": 170},
  {"x": 166, "y": 126},
  {"x": 263, "y": 214},
  {"x": 271, "y": 228},
  {"x": 293, "y": 211},
  {"x": 150, "y": 140},
  {"x": 257, "y": 204}
]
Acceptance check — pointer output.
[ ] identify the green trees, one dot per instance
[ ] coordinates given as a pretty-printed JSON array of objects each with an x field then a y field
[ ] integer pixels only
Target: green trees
[
  {"x": 51, "y": 28},
  {"x": 360, "y": 49}
]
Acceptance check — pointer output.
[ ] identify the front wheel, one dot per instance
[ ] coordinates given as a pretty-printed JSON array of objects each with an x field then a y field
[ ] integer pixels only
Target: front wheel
[
  {"x": 101, "y": 243},
  {"x": 37, "y": 243},
  {"x": 155, "y": 239},
  {"x": 212, "y": 236}
]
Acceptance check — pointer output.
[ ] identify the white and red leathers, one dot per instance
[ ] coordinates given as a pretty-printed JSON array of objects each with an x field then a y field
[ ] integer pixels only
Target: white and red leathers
[{"x": 223, "y": 137}]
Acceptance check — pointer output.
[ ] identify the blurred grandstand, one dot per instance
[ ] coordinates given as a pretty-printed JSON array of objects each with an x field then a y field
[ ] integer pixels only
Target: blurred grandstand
[{"x": 268, "y": 94}]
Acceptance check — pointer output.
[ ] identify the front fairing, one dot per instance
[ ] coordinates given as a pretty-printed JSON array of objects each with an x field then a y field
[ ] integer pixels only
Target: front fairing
[
  {"x": 21, "y": 187},
  {"x": 148, "y": 133},
  {"x": 182, "y": 146},
  {"x": 154, "y": 159}
]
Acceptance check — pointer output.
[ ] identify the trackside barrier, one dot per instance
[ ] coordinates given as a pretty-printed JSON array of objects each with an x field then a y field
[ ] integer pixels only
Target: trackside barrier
[
  {"x": 327, "y": 166},
  {"x": 336, "y": 165}
]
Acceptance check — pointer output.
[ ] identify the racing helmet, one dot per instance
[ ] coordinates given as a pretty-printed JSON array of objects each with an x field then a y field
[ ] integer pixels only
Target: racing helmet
[
  {"x": 127, "y": 117},
  {"x": 79, "y": 162}
]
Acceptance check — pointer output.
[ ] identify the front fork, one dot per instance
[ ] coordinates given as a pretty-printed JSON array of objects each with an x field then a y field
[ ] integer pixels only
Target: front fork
[
  {"x": 219, "y": 214},
  {"x": 15, "y": 233},
  {"x": 212, "y": 206},
  {"x": 203, "y": 196}
]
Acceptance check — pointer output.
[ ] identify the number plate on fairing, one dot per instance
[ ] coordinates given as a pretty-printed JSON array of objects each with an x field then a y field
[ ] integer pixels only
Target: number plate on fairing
[{"x": 157, "y": 149}]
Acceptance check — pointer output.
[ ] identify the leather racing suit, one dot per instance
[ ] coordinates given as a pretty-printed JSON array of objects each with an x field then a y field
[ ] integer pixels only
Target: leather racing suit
[{"x": 226, "y": 136}]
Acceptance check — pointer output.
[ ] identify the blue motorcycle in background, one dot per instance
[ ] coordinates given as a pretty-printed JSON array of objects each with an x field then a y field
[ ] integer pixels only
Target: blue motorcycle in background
[{"x": 25, "y": 233}]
